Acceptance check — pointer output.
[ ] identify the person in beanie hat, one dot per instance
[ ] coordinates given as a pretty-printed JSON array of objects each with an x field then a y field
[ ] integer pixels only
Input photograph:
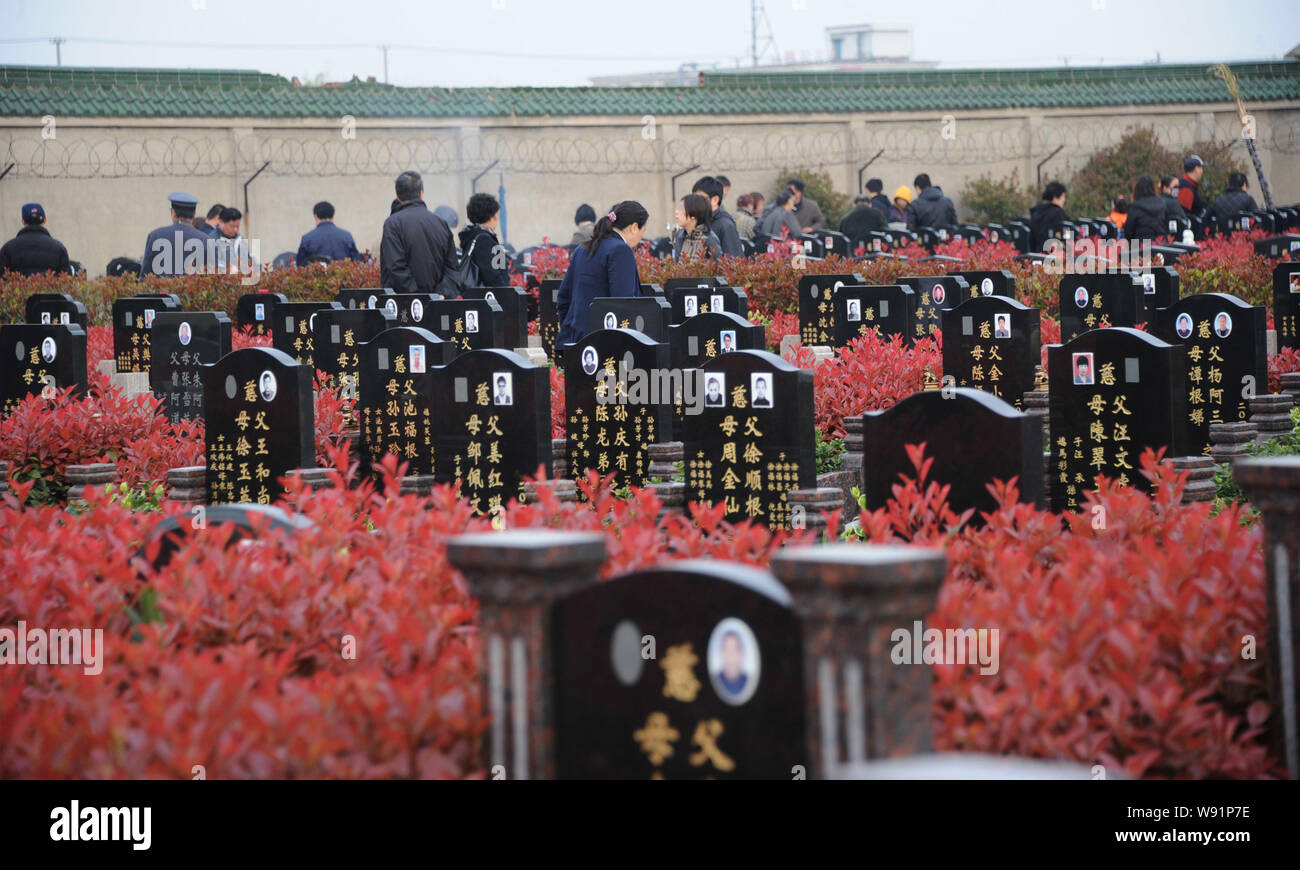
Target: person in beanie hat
[
  {"x": 898, "y": 211},
  {"x": 34, "y": 250}
]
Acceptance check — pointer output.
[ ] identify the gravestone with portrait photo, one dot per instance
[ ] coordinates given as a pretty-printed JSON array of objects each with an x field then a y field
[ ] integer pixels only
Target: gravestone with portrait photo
[
  {"x": 1227, "y": 361},
  {"x": 1286, "y": 304},
  {"x": 470, "y": 324},
  {"x": 991, "y": 343},
  {"x": 132, "y": 320},
  {"x": 615, "y": 406},
  {"x": 353, "y": 298},
  {"x": 182, "y": 343},
  {"x": 934, "y": 293},
  {"x": 337, "y": 335},
  {"x": 1090, "y": 301},
  {"x": 972, "y": 437},
  {"x": 253, "y": 311},
  {"x": 548, "y": 316},
  {"x": 646, "y": 314},
  {"x": 1113, "y": 393},
  {"x": 689, "y": 300},
  {"x": 698, "y": 339},
  {"x": 992, "y": 282},
  {"x": 395, "y": 396},
  {"x": 493, "y": 425},
  {"x": 258, "y": 424},
  {"x": 55, "y": 308},
  {"x": 38, "y": 359},
  {"x": 816, "y": 305},
  {"x": 1159, "y": 286},
  {"x": 406, "y": 309},
  {"x": 720, "y": 699},
  {"x": 887, "y": 310},
  {"x": 514, "y": 312},
  {"x": 752, "y": 441},
  {"x": 649, "y": 290},
  {"x": 293, "y": 327}
]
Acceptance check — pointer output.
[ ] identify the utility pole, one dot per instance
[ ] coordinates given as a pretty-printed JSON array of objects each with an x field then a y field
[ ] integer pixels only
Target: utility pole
[
  {"x": 58, "y": 49},
  {"x": 384, "y": 48}
]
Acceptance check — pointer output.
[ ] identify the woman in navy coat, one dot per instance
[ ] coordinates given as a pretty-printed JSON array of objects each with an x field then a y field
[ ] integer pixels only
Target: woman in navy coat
[{"x": 605, "y": 266}]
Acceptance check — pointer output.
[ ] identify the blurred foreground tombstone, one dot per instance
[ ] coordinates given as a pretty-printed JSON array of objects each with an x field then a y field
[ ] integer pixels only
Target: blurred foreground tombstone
[{"x": 1273, "y": 485}]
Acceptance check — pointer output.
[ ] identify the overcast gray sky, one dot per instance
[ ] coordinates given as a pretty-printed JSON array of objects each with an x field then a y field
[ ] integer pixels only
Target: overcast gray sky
[{"x": 463, "y": 43}]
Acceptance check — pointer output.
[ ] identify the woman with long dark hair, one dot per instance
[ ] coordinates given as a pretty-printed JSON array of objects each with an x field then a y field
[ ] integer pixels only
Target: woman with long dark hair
[
  {"x": 604, "y": 266},
  {"x": 1146, "y": 213}
]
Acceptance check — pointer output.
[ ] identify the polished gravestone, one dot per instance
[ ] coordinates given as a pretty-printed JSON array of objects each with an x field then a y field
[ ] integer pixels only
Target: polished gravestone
[
  {"x": 492, "y": 428},
  {"x": 1227, "y": 361},
  {"x": 395, "y": 396},
  {"x": 1159, "y": 286},
  {"x": 1286, "y": 304},
  {"x": 548, "y": 315},
  {"x": 973, "y": 438},
  {"x": 337, "y": 335},
  {"x": 690, "y": 299},
  {"x": 183, "y": 342},
  {"x": 1092, "y": 301},
  {"x": 243, "y": 521},
  {"x": 254, "y": 311},
  {"x": 722, "y": 697},
  {"x": 704, "y": 336},
  {"x": 293, "y": 330},
  {"x": 994, "y": 282},
  {"x": 991, "y": 343},
  {"x": 406, "y": 309},
  {"x": 469, "y": 324},
  {"x": 258, "y": 424},
  {"x": 817, "y": 305},
  {"x": 934, "y": 293},
  {"x": 514, "y": 312},
  {"x": 1113, "y": 393},
  {"x": 353, "y": 298},
  {"x": 650, "y": 315},
  {"x": 887, "y": 310},
  {"x": 615, "y": 405},
  {"x": 59, "y": 308},
  {"x": 40, "y": 359},
  {"x": 132, "y": 320},
  {"x": 752, "y": 440}
]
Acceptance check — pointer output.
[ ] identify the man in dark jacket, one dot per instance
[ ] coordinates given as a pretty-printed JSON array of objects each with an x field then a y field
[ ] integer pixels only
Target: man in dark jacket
[
  {"x": 930, "y": 208},
  {"x": 1047, "y": 218},
  {"x": 1189, "y": 188},
  {"x": 1146, "y": 213},
  {"x": 478, "y": 240},
  {"x": 806, "y": 210},
  {"x": 327, "y": 240},
  {"x": 34, "y": 250},
  {"x": 864, "y": 218},
  {"x": 722, "y": 224},
  {"x": 417, "y": 248},
  {"x": 876, "y": 196},
  {"x": 1234, "y": 199},
  {"x": 177, "y": 248}
]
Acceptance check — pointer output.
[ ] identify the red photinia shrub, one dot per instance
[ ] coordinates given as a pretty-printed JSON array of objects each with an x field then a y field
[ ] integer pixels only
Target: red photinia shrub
[
  {"x": 1287, "y": 359},
  {"x": 1119, "y": 640},
  {"x": 557, "y": 402},
  {"x": 242, "y": 338},
  {"x": 779, "y": 325},
  {"x": 1228, "y": 264},
  {"x": 869, "y": 374},
  {"x": 550, "y": 261},
  {"x": 333, "y": 415}
]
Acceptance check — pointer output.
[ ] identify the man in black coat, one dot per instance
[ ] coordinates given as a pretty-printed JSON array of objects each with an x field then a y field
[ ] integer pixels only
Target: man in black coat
[
  {"x": 1047, "y": 218},
  {"x": 177, "y": 248},
  {"x": 930, "y": 208},
  {"x": 1233, "y": 200},
  {"x": 864, "y": 218},
  {"x": 721, "y": 223},
  {"x": 34, "y": 250},
  {"x": 417, "y": 248},
  {"x": 876, "y": 196}
]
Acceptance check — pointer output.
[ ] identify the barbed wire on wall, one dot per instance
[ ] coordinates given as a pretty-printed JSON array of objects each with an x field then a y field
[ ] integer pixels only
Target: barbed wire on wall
[{"x": 371, "y": 153}]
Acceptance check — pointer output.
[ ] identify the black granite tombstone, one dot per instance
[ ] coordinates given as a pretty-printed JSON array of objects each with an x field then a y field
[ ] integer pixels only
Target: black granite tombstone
[
  {"x": 973, "y": 438},
  {"x": 292, "y": 330},
  {"x": 55, "y": 308},
  {"x": 701, "y": 338},
  {"x": 470, "y": 324},
  {"x": 337, "y": 335},
  {"x": 934, "y": 293},
  {"x": 1114, "y": 392},
  {"x": 258, "y": 424},
  {"x": 993, "y": 282},
  {"x": 1227, "y": 361},
  {"x": 395, "y": 396},
  {"x": 549, "y": 326},
  {"x": 254, "y": 311},
  {"x": 1278, "y": 246},
  {"x": 614, "y": 408},
  {"x": 887, "y": 310},
  {"x": 493, "y": 426},
  {"x": 1089, "y": 301},
  {"x": 816, "y": 305},
  {"x": 406, "y": 309},
  {"x": 353, "y": 298},
  {"x": 647, "y": 314},
  {"x": 1159, "y": 286},
  {"x": 39, "y": 359},
  {"x": 688, "y": 301},
  {"x": 243, "y": 520},
  {"x": 720, "y": 697},
  {"x": 1286, "y": 304},
  {"x": 751, "y": 442},
  {"x": 514, "y": 312},
  {"x": 182, "y": 342},
  {"x": 132, "y": 319},
  {"x": 991, "y": 343}
]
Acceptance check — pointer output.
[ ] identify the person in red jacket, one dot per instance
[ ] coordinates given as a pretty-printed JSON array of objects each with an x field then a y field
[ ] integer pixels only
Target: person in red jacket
[{"x": 1189, "y": 188}]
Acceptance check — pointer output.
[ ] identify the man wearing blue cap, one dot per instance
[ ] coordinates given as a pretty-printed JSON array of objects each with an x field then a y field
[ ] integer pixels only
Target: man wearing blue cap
[
  {"x": 34, "y": 250},
  {"x": 178, "y": 248}
]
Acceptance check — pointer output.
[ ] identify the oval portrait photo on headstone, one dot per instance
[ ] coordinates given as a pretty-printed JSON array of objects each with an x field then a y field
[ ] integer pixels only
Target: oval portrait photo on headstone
[
  {"x": 611, "y": 322},
  {"x": 986, "y": 286},
  {"x": 266, "y": 385},
  {"x": 938, "y": 294},
  {"x": 1183, "y": 325},
  {"x": 589, "y": 360},
  {"x": 391, "y": 307},
  {"x": 1081, "y": 297},
  {"x": 372, "y": 301},
  {"x": 183, "y": 333},
  {"x": 734, "y": 662},
  {"x": 417, "y": 310},
  {"x": 1222, "y": 324},
  {"x": 48, "y": 349}
]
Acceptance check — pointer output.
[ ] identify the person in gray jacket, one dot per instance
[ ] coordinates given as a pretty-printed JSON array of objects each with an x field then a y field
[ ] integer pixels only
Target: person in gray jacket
[{"x": 780, "y": 216}]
